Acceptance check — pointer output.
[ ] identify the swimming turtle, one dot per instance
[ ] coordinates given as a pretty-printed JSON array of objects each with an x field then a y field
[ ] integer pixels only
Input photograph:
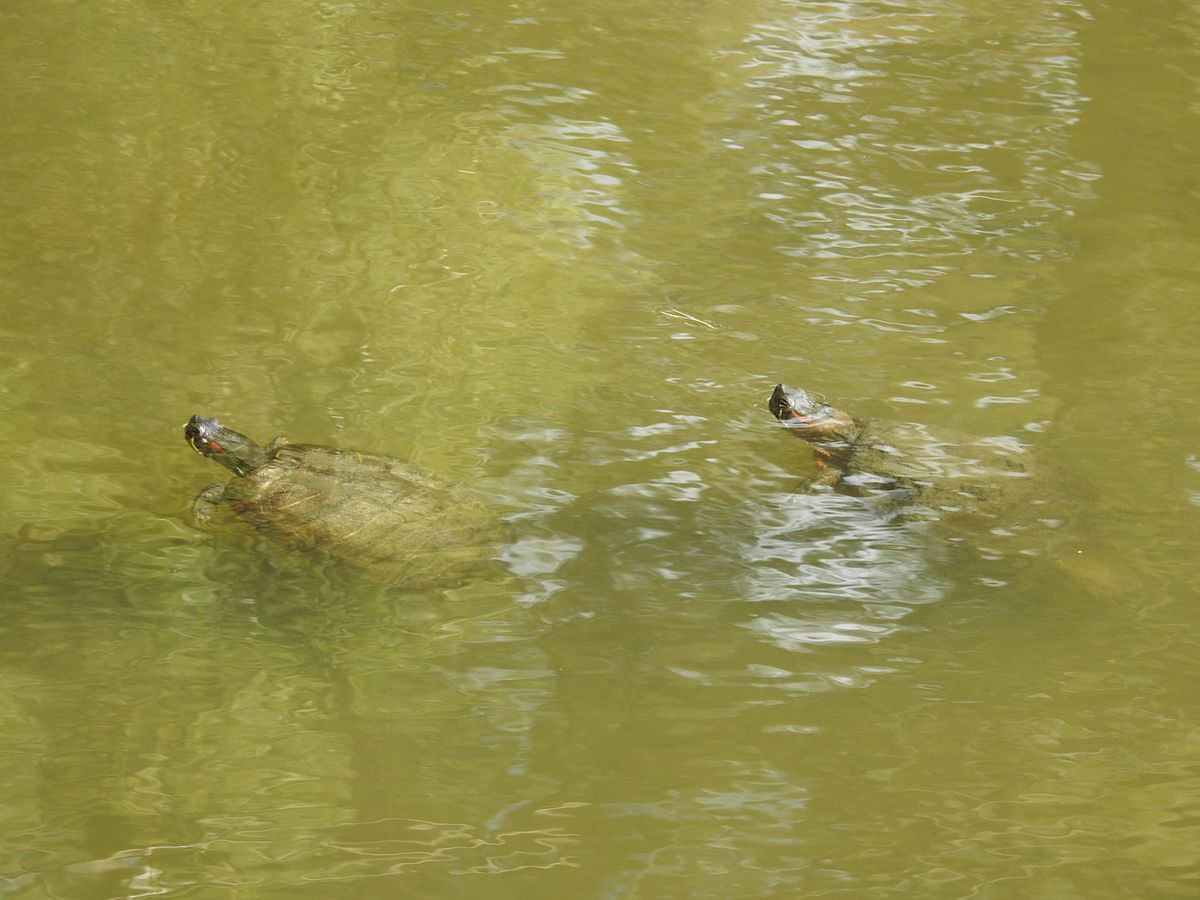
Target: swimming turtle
[
  {"x": 982, "y": 493},
  {"x": 372, "y": 512},
  {"x": 903, "y": 463}
]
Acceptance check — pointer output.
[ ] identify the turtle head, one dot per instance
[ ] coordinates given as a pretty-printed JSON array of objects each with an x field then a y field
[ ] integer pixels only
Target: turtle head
[
  {"x": 808, "y": 417},
  {"x": 234, "y": 451}
]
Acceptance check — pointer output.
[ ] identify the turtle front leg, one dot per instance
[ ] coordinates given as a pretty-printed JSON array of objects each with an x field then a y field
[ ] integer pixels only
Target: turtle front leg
[
  {"x": 206, "y": 504},
  {"x": 828, "y": 475}
]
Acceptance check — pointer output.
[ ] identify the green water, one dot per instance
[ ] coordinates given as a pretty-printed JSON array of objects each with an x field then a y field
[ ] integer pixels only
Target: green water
[{"x": 560, "y": 253}]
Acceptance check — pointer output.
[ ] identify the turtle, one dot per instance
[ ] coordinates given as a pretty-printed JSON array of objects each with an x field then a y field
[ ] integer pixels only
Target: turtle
[
  {"x": 372, "y": 512},
  {"x": 980, "y": 493},
  {"x": 905, "y": 465}
]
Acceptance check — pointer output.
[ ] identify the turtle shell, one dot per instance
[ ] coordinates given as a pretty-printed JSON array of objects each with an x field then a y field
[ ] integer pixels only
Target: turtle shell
[
  {"x": 371, "y": 511},
  {"x": 939, "y": 469}
]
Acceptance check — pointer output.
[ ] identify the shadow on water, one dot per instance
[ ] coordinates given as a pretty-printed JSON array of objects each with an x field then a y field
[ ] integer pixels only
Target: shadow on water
[
  {"x": 161, "y": 567},
  {"x": 158, "y": 670}
]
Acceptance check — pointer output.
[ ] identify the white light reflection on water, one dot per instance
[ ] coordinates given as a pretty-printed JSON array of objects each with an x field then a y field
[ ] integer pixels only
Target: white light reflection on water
[
  {"x": 922, "y": 174},
  {"x": 829, "y": 571}
]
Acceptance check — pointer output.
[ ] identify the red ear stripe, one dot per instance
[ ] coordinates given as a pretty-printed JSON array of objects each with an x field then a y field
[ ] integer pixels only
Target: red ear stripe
[{"x": 215, "y": 447}]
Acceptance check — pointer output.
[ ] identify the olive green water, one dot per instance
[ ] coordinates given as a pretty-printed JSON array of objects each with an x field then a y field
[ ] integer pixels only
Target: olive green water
[{"x": 561, "y": 253}]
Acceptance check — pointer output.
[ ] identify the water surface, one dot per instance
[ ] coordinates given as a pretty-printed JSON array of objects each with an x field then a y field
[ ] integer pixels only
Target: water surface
[{"x": 561, "y": 255}]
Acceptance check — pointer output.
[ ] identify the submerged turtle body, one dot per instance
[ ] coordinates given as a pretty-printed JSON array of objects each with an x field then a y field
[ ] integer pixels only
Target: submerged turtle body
[
  {"x": 908, "y": 462},
  {"x": 369, "y": 511}
]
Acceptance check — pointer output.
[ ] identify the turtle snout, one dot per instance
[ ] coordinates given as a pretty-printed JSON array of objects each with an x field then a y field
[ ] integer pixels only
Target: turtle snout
[
  {"x": 779, "y": 404},
  {"x": 199, "y": 426},
  {"x": 199, "y": 432}
]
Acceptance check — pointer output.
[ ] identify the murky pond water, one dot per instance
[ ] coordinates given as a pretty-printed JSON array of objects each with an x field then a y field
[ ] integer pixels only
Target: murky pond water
[{"x": 560, "y": 254}]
